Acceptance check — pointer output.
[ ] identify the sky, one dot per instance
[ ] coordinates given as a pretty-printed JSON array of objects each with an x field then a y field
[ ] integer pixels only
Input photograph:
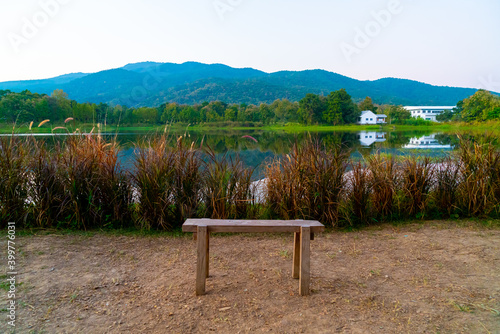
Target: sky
[{"x": 441, "y": 42}]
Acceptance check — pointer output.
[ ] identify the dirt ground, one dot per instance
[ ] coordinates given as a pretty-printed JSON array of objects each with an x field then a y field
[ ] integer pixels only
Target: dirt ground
[{"x": 419, "y": 278}]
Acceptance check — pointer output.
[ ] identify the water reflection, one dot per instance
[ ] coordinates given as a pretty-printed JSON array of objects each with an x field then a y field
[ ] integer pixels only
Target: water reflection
[
  {"x": 427, "y": 143},
  {"x": 367, "y": 139}
]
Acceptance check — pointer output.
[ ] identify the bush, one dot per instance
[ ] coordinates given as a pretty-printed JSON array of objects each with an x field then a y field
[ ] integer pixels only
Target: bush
[
  {"x": 445, "y": 194},
  {"x": 99, "y": 191},
  {"x": 80, "y": 184},
  {"x": 358, "y": 205},
  {"x": 384, "y": 184},
  {"x": 479, "y": 168},
  {"x": 13, "y": 180},
  {"x": 307, "y": 184},
  {"x": 228, "y": 191},
  {"x": 417, "y": 178}
]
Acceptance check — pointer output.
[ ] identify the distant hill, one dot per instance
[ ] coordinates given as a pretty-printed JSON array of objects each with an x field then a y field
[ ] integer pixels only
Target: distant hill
[{"x": 151, "y": 84}]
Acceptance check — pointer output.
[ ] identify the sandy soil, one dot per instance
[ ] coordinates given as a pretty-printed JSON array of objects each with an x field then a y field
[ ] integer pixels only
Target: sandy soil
[{"x": 430, "y": 278}]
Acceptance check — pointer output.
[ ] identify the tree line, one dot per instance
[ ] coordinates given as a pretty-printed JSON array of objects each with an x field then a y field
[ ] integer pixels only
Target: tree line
[{"x": 336, "y": 108}]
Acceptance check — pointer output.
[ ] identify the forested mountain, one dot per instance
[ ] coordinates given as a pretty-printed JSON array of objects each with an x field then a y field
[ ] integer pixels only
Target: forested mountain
[{"x": 152, "y": 84}]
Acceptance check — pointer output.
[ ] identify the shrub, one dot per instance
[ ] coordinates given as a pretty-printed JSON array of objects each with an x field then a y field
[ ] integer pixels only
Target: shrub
[
  {"x": 228, "y": 191},
  {"x": 479, "y": 167},
  {"x": 47, "y": 192},
  {"x": 417, "y": 177},
  {"x": 307, "y": 183},
  {"x": 384, "y": 184},
  {"x": 99, "y": 191},
  {"x": 358, "y": 211},
  {"x": 153, "y": 179},
  {"x": 445, "y": 193},
  {"x": 13, "y": 180}
]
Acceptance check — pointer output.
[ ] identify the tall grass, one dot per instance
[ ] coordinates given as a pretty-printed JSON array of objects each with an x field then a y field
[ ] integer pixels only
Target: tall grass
[
  {"x": 154, "y": 183},
  {"x": 168, "y": 182},
  {"x": 47, "y": 192},
  {"x": 384, "y": 185},
  {"x": 479, "y": 168},
  {"x": 188, "y": 181},
  {"x": 228, "y": 191},
  {"x": 446, "y": 186},
  {"x": 358, "y": 204},
  {"x": 13, "y": 180},
  {"x": 99, "y": 191},
  {"x": 80, "y": 184},
  {"x": 417, "y": 179},
  {"x": 307, "y": 184}
]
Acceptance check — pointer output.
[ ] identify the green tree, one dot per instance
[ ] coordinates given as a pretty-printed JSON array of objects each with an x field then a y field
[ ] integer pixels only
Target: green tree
[
  {"x": 367, "y": 104},
  {"x": 189, "y": 115},
  {"x": 285, "y": 111},
  {"x": 171, "y": 113},
  {"x": 340, "y": 108},
  {"x": 446, "y": 116},
  {"x": 311, "y": 109},
  {"x": 231, "y": 113},
  {"x": 145, "y": 115},
  {"x": 481, "y": 106},
  {"x": 397, "y": 114},
  {"x": 61, "y": 109},
  {"x": 266, "y": 115}
]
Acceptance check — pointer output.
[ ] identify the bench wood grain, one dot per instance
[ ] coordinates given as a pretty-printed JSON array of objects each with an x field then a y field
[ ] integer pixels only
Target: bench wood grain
[{"x": 303, "y": 233}]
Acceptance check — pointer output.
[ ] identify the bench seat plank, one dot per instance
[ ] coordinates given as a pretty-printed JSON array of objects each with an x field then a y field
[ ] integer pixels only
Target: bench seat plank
[
  {"x": 303, "y": 233},
  {"x": 251, "y": 226}
]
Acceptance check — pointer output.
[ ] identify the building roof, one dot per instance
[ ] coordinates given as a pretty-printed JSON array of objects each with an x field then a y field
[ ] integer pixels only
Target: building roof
[
  {"x": 369, "y": 111},
  {"x": 428, "y": 107}
]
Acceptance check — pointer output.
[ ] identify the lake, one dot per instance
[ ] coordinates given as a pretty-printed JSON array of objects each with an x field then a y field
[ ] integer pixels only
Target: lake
[{"x": 272, "y": 144}]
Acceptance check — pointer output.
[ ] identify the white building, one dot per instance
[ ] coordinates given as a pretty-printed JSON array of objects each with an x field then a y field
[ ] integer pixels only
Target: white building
[
  {"x": 428, "y": 113},
  {"x": 426, "y": 142},
  {"x": 368, "y": 117},
  {"x": 368, "y": 138}
]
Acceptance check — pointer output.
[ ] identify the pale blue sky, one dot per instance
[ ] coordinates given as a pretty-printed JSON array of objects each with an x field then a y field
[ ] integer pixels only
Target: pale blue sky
[{"x": 443, "y": 42}]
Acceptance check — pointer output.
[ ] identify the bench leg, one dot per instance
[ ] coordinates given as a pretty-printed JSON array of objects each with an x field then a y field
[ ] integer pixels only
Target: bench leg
[
  {"x": 201, "y": 261},
  {"x": 296, "y": 255},
  {"x": 207, "y": 261},
  {"x": 305, "y": 237}
]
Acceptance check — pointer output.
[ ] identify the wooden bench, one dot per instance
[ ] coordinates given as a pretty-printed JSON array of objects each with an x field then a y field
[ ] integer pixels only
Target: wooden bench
[{"x": 303, "y": 229}]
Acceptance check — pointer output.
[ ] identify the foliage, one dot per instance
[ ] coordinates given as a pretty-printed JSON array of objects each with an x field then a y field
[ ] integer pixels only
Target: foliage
[
  {"x": 367, "y": 104},
  {"x": 13, "y": 180},
  {"x": 481, "y": 106},
  {"x": 397, "y": 114},
  {"x": 417, "y": 178},
  {"x": 340, "y": 108},
  {"x": 99, "y": 191},
  {"x": 384, "y": 183},
  {"x": 311, "y": 109},
  {"x": 307, "y": 183},
  {"x": 228, "y": 191},
  {"x": 78, "y": 183},
  {"x": 479, "y": 170}
]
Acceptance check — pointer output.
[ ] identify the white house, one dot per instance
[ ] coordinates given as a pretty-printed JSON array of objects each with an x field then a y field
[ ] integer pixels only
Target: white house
[
  {"x": 426, "y": 142},
  {"x": 368, "y": 138},
  {"x": 368, "y": 117},
  {"x": 428, "y": 113}
]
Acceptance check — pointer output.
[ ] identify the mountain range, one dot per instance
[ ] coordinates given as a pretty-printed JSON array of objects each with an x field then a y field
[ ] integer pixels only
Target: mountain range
[{"x": 151, "y": 84}]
